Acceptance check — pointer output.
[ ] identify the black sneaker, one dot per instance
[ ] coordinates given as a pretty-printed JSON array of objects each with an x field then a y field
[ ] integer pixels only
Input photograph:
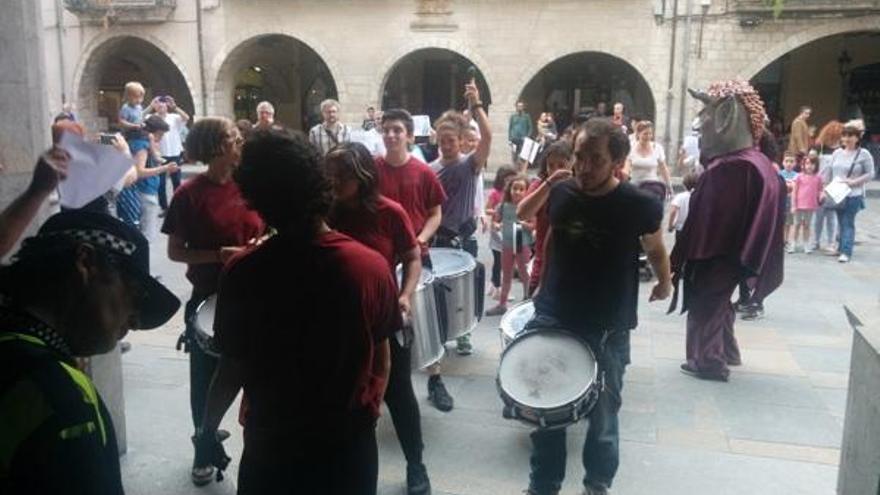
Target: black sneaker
[
  {"x": 417, "y": 482},
  {"x": 740, "y": 306},
  {"x": 438, "y": 395}
]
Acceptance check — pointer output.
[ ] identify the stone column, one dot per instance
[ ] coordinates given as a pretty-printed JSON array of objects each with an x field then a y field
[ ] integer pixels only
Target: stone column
[{"x": 24, "y": 133}]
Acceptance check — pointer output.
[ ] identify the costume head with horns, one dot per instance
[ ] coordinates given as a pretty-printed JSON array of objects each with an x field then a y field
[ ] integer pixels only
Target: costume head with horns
[{"x": 732, "y": 118}]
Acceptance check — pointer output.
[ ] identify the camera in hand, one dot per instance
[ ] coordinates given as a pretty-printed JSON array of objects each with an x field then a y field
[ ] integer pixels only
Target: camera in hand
[{"x": 109, "y": 139}]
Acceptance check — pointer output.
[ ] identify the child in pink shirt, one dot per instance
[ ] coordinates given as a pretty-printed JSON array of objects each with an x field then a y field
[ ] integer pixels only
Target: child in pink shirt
[{"x": 805, "y": 201}]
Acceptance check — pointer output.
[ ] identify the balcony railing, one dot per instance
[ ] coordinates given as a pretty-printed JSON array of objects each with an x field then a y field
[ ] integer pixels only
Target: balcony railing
[
  {"x": 122, "y": 11},
  {"x": 793, "y": 8}
]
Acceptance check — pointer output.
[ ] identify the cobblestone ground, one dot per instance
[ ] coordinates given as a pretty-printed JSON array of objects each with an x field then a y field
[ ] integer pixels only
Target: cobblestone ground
[{"x": 775, "y": 428}]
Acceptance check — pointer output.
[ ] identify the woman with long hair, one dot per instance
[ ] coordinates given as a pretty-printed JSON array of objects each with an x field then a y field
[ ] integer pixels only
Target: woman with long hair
[
  {"x": 555, "y": 166},
  {"x": 826, "y": 217},
  {"x": 360, "y": 211},
  {"x": 646, "y": 163}
]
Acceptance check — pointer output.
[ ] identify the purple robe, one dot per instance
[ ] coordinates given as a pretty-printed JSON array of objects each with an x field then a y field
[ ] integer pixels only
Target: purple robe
[{"x": 736, "y": 211}]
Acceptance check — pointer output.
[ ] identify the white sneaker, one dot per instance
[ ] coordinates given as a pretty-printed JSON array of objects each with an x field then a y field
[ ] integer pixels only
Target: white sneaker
[
  {"x": 843, "y": 258},
  {"x": 790, "y": 249},
  {"x": 808, "y": 250}
]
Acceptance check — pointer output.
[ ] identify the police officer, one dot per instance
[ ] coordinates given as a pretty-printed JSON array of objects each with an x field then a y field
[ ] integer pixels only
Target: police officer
[{"x": 74, "y": 289}]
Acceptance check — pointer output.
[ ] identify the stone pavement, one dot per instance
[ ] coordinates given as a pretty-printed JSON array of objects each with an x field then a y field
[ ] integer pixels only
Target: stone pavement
[{"x": 775, "y": 428}]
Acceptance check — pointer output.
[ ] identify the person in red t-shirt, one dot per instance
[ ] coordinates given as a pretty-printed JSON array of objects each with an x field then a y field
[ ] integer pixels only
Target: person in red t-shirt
[
  {"x": 379, "y": 223},
  {"x": 207, "y": 222},
  {"x": 411, "y": 183},
  {"x": 302, "y": 324},
  {"x": 555, "y": 167}
]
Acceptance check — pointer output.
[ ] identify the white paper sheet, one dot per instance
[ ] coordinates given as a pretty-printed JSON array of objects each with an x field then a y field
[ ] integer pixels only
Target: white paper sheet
[
  {"x": 529, "y": 150},
  {"x": 422, "y": 125},
  {"x": 371, "y": 139},
  {"x": 837, "y": 190},
  {"x": 92, "y": 171}
]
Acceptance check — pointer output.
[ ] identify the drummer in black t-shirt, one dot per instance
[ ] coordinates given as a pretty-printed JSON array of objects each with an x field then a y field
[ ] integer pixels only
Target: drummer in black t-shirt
[{"x": 590, "y": 287}]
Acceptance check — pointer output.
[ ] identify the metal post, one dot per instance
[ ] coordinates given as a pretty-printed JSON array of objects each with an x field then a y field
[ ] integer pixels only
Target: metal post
[
  {"x": 685, "y": 79},
  {"x": 671, "y": 84},
  {"x": 201, "y": 47},
  {"x": 59, "y": 26}
]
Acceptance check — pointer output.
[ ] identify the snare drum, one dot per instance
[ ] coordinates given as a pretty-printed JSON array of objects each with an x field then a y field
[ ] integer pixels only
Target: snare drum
[
  {"x": 425, "y": 344},
  {"x": 455, "y": 291},
  {"x": 204, "y": 325},
  {"x": 548, "y": 378},
  {"x": 514, "y": 321}
]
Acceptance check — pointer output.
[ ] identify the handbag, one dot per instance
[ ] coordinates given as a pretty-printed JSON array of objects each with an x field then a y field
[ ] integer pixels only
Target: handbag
[{"x": 837, "y": 191}]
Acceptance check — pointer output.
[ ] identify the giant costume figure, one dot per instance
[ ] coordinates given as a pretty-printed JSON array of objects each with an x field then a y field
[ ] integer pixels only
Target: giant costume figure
[{"x": 733, "y": 231}]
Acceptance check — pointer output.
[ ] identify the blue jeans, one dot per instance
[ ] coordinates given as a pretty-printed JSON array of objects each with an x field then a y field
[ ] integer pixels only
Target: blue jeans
[
  {"x": 826, "y": 220},
  {"x": 846, "y": 222},
  {"x": 601, "y": 453}
]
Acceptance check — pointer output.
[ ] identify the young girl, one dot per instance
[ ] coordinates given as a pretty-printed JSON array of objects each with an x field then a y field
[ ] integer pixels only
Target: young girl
[
  {"x": 555, "y": 167},
  {"x": 515, "y": 241},
  {"x": 496, "y": 196},
  {"x": 805, "y": 201}
]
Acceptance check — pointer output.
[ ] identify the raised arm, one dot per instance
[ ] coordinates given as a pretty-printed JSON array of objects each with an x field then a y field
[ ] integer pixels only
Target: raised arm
[
  {"x": 50, "y": 168},
  {"x": 481, "y": 154}
]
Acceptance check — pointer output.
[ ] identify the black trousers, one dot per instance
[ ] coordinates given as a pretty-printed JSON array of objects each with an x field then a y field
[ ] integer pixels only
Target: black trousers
[
  {"x": 402, "y": 404},
  {"x": 496, "y": 268},
  {"x": 347, "y": 467},
  {"x": 201, "y": 365}
]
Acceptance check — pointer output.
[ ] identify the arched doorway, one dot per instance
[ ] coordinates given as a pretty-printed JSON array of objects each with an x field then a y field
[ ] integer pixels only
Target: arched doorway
[
  {"x": 580, "y": 82},
  {"x": 431, "y": 81},
  {"x": 118, "y": 61},
  {"x": 279, "y": 69},
  {"x": 837, "y": 76}
]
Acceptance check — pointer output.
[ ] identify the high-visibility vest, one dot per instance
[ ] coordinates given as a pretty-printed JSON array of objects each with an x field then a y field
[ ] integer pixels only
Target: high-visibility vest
[{"x": 22, "y": 419}]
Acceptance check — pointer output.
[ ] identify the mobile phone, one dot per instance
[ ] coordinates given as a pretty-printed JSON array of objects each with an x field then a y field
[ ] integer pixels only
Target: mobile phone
[
  {"x": 472, "y": 73},
  {"x": 109, "y": 139}
]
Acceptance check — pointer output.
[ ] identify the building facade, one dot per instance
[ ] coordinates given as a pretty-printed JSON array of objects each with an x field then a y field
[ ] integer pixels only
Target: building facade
[{"x": 220, "y": 57}]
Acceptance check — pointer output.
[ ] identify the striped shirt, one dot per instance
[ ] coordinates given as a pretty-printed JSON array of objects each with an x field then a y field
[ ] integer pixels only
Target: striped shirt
[{"x": 324, "y": 139}]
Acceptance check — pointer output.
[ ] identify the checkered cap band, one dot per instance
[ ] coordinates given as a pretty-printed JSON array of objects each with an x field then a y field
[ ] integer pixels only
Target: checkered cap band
[{"x": 100, "y": 238}]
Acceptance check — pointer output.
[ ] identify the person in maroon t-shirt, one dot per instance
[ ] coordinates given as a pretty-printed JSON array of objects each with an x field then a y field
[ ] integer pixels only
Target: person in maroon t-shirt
[
  {"x": 302, "y": 324},
  {"x": 555, "y": 167},
  {"x": 411, "y": 183},
  {"x": 379, "y": 223},
  {"x": 207, "y": 222}
]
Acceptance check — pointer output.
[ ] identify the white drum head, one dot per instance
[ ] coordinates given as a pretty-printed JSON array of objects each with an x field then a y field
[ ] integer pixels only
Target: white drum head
[
  {"x": 205, "y": 316},
  {"x": 546, "y": 369},
  {"x": 515, "y": 319},
  {"x": 448, "y": 262},
  {"x": 425, "y": 278}
]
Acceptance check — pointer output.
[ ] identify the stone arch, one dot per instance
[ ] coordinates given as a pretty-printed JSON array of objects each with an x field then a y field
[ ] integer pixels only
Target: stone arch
[
  {"x": 223, "y": 64},
  {"x": 387, "y": 68},
  {"x": 830, "y": 28},
  {"x": 655, "y": 81},
  {"x": 564, "y": 79},
  {"x": 101, "y": 49}
]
